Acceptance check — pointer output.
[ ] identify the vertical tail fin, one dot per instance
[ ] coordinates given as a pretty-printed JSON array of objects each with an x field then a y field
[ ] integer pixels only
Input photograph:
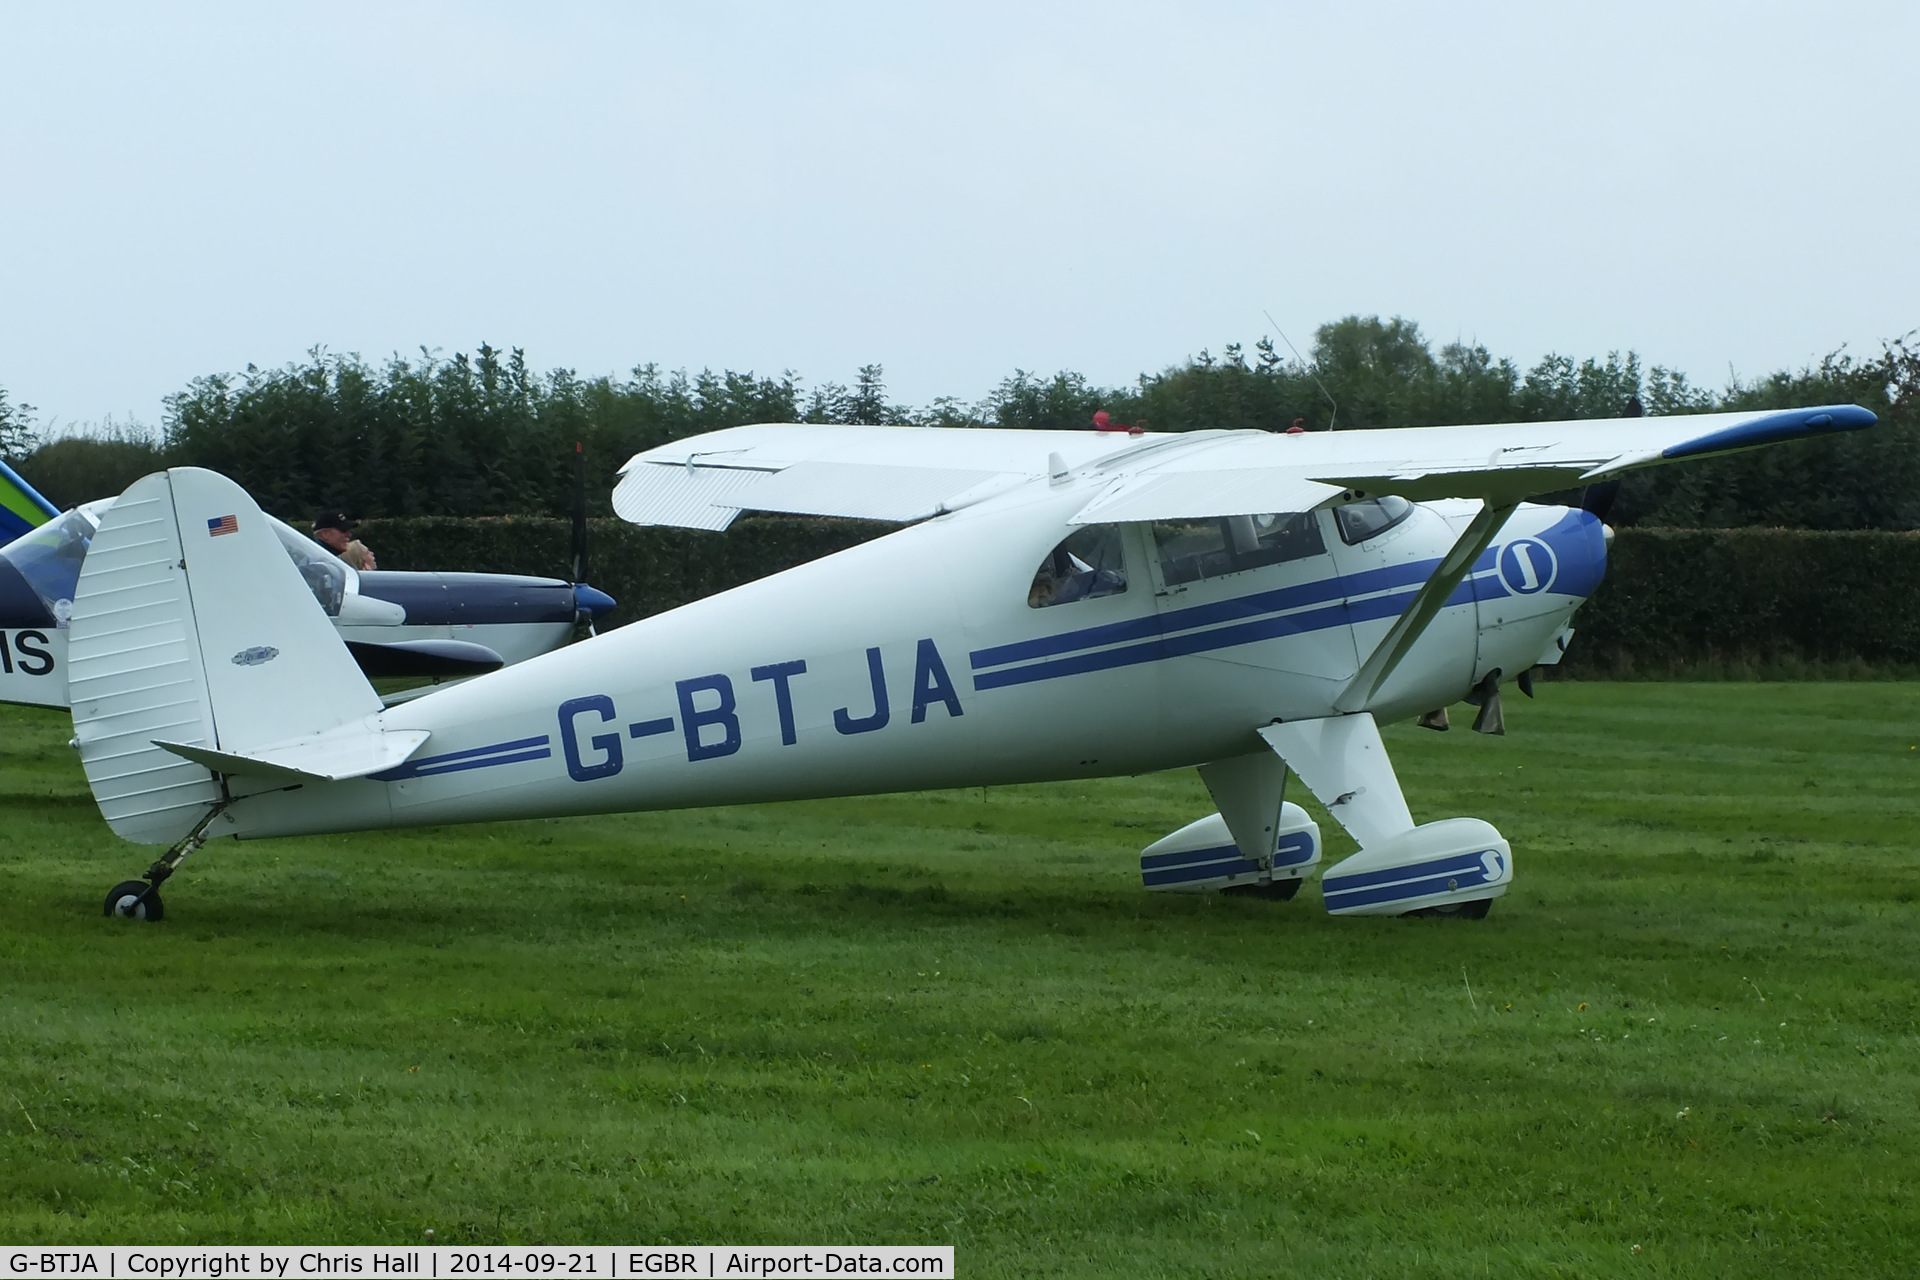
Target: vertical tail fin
[{"x": 191, "y": 627}]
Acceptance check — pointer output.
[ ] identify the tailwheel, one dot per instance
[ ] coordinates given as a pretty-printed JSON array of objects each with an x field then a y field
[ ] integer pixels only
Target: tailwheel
[
  {"x": 140, "y": 899},
  {"x": 1474, "y": 910},
  {"x": 135, "y": 900}
]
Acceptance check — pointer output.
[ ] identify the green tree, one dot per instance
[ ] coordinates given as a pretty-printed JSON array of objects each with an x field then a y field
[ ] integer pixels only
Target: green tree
[
  {"x": 1854, "y": 480},
  {"x": 1064, "y": 402},
  {"x": 18, "y": 434},
  {"x": 73, "y": 469}
]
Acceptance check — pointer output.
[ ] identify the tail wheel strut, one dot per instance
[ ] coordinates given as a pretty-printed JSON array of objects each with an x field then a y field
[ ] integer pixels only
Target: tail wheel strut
[{"x": 140, "y": 899}]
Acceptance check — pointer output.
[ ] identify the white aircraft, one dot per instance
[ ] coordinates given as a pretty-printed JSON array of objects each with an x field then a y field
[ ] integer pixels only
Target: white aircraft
[
  {"x": 444, "y": 625},
  {"x": 1059, "y": 605}
]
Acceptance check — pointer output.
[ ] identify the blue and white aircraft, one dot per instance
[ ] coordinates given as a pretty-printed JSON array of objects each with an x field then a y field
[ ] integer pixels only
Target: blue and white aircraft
[
  {"x": 395, "y": 623},
  {"x": 1058, "y": 605}
]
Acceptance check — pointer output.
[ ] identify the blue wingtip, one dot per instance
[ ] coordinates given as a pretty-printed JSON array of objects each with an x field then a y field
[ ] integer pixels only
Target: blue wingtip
[
  {"x": 22, "y": 509},
  {"x": 1787, "y": 424},
  {"x": 592, "y": 601}
]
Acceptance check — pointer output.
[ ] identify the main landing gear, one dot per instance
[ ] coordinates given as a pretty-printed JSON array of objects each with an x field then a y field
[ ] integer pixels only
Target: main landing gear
[
  {"x": 1453, "y": 868},
  {"x": 140, "y": 899}
]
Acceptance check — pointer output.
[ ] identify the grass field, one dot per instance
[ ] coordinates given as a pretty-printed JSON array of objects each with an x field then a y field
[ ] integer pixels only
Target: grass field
[{"x": 1684, "y": 1044}]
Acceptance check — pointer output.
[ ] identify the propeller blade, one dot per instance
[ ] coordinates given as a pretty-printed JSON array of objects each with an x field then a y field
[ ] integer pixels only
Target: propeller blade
[
  {"x": 1598, "y": 499},
  {"x": 579, "y": 512}
]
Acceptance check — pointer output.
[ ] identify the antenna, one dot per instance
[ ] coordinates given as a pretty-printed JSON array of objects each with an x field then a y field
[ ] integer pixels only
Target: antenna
[{"x": 1304, "y": 365}]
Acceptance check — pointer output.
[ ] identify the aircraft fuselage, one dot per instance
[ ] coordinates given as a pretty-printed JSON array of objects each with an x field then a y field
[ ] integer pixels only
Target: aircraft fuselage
[{"x": 917, "y": 661}]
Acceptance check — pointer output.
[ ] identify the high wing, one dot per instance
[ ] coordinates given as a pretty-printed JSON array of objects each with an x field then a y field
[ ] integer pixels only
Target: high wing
[
  {"x": 908, "y": 473},
  {"x": 877, "y": 473}
]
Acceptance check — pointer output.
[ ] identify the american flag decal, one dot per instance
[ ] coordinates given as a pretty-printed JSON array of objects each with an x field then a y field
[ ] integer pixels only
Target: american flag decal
[{"x": 222, "y": 524}]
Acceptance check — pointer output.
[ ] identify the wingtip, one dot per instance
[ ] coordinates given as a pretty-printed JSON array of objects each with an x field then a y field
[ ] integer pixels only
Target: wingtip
[{"x": 1772, "y": 428}]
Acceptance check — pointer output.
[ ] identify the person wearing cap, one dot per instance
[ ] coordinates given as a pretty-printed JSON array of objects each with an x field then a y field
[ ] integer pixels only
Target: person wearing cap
[{"x": 335, "y": 532}]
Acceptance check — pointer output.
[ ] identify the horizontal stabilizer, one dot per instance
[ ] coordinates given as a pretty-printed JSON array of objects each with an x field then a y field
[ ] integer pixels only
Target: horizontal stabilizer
[{"x": 351, "y": 751}]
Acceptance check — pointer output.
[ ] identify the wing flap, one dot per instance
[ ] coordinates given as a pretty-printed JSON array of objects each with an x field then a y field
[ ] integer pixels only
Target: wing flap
[
  {"x": 876, "y": 473},
  {"x": 1197, "y": 495},
  {"x": 864, "y": 490}
]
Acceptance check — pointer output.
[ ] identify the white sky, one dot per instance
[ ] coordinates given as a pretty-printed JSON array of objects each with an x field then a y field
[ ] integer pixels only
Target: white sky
[{"x": 950, "y": 191}]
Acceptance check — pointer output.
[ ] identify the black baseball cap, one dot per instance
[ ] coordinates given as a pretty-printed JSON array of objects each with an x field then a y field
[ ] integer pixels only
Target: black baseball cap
[{"x": 333, "y": 520}]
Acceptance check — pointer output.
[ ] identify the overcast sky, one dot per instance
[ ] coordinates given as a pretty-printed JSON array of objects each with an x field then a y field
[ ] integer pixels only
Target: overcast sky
[{"x": 952, "y": 191}]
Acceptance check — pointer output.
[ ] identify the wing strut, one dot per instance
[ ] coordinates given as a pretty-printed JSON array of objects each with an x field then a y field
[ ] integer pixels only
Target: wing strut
[{"x": 1411, "y": 624}]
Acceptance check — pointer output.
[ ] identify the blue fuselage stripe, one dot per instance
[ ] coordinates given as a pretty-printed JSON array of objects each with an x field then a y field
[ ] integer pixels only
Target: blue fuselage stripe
[
  {"x": 514, "y": 752},
  {"x": 1334, "y": 615},
  {"x": 1301, "y": 596},
  {"x": 1312, "y": 606},
  {"x": 458, "y": 766}
]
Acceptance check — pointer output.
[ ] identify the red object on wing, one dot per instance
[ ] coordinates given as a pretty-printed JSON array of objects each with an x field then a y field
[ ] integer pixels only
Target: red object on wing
[
  {"x": 1102, "y": 420},
  {"x": 1299, "y": 427}
]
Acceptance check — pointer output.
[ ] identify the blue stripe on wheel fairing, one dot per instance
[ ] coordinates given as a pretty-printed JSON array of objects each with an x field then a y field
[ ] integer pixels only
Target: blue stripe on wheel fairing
[
  {"x": 1293, "y": 849},
  {"x": 1220, "y": 860},
  {"x": 1199, "y": 871},
  {"x": 1401, "y": 892},
  {"x": 1416, "y": 880},
  {"x": 1440, "y": 866},
  {"x": 1218, "y": 853}
]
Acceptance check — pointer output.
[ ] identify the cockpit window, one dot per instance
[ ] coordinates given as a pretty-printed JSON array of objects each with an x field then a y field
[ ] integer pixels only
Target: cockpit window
[
  {"x": 1194, "y": 549},
  {"x": 325, "y": 573},
  {"x": 49, "y": 559},
  {"x": 1370, "y": 517},
  {"x": 1086, "y": 565}
]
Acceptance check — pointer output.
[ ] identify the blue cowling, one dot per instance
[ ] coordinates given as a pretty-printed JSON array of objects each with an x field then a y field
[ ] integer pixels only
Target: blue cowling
[{"x": 591, "y": 601}]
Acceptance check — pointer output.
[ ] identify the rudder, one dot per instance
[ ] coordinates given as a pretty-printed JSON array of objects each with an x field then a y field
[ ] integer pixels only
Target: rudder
[{"x": 191, "y": 626}]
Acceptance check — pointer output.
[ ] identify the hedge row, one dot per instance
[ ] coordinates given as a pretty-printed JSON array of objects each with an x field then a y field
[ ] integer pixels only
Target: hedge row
[
  {"x": 1747, "y": 599},
  {"x": 647, "y": 571},
  {"x": 1673, "y": 600}
]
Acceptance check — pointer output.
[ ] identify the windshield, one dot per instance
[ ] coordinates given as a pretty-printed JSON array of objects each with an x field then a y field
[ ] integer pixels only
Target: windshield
[
  {"x": 49, "y": 559},
  {"x": 326, "y": 574},
  {"x": 1085, "y": 566},
  {"x": 1370, "y": 517}
]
